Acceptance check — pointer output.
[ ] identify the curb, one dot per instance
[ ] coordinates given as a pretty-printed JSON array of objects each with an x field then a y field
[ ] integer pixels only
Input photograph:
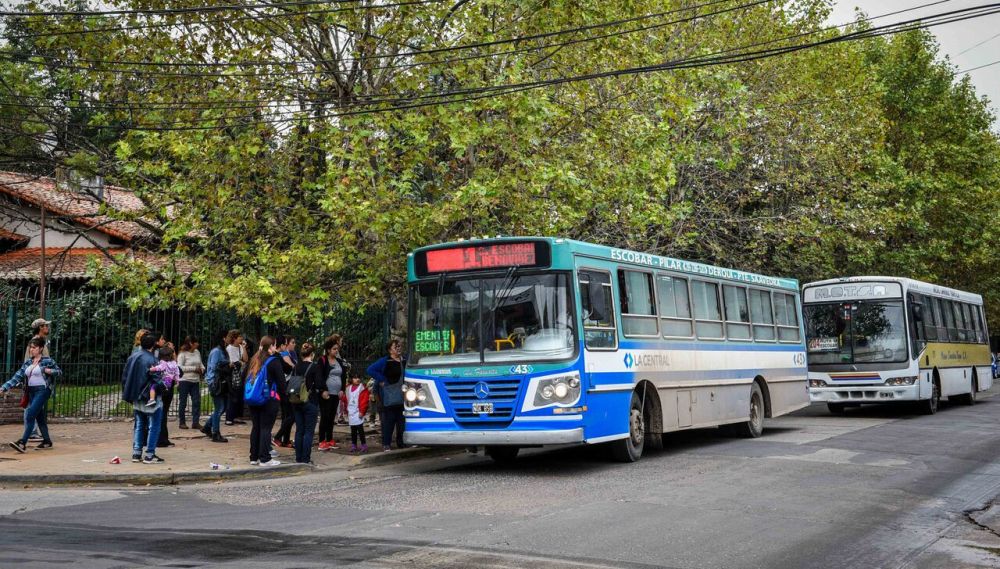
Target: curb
[
  {"x": 175, "y": 478},
  {"x": 157, "y": 479},
  {"x": 377, "y": 458}
]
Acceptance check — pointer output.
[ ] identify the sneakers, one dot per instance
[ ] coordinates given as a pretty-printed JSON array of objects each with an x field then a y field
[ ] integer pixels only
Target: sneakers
[
  {"x": 182, "y": 425},
  {"x": 19, "y": 446},
  {"x": 354, "y": 448},
  {"x": 136, "y": 457},
  {"x": 328, "y": 445},
  {"x": 364, "y": 449},
  {"x": 230, "y": 423},
  {"x": 35, "y": 437},
  {"x": 151, "y": 403},
  {"x": 271, "y": 462},
  {"x": 274, "y": 453},
  {"x": 386, "y": 449},
  {"x": 323, "y": 445},
  {"x": 254, "y": 462},
  {"x": 152, "y": 459},
  {"x": 44, "y": 445}
]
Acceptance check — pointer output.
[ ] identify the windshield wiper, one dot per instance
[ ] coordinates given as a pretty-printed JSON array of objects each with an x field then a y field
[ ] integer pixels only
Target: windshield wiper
[{"x": 506, "y": 285}]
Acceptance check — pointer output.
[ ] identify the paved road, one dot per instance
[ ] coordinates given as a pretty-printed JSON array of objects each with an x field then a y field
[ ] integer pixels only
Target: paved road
[{"x": 878, "y": 488}]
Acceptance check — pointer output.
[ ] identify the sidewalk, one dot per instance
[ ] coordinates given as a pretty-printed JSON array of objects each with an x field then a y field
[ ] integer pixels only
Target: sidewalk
[{"x": 82, "y": 452}]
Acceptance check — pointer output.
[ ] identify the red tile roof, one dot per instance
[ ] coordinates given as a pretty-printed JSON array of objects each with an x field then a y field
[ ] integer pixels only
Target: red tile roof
[
  {"x": 61, "y": 264},
  {"x": 77, "y": 207},
  {"x": 11, "y": 236}
]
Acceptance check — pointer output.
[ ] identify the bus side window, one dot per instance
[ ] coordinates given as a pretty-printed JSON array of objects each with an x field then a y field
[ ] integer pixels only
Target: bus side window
[
  {"x": 980, "y": 329},
  {"x": 638, "y": 303},
  {"x": 762, "y": 315},
  {"x": 599, "y": 331},
  {"x": 675, "y": 306},
  {"x": 939, "y": 322},
  {"x": 970, "y": 325},
  {"x": 929, "y": 323},
  {"x": 787, "y": 317},
  {"x": 707, "y": 311},
  {"x": 916, "y": 303},
  {"x": 737, "y": 312}
]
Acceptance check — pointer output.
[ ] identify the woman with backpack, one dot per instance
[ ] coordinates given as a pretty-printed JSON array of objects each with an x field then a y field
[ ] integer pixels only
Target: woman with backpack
[
  {"x": 388, "y": 374},
  {"x": 218, "y": 375},
  {"x": 305, "y": 391},
  {"x": 264, "y": 376}
]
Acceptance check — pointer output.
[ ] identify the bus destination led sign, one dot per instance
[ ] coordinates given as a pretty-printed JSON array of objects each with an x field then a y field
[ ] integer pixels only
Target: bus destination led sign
[{"x": 481, "y": 257}]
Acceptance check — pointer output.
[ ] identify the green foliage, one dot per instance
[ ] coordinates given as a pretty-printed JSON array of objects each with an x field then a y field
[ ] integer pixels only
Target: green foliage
[{"x": 861, "y": 157}]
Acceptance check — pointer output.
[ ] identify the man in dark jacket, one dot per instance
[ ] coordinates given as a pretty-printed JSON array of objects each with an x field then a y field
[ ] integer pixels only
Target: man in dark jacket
[{"x": 135, "y": 381}]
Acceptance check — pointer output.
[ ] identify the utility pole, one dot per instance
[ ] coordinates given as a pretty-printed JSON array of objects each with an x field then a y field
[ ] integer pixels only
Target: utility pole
[{"x": 41, "y": 305}]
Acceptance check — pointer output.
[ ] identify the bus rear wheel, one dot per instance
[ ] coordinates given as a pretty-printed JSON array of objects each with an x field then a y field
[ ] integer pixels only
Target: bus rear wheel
[
  {"x": 502, "y": 454},
  {"x": 754, "y": 427},
  {"x": 630, "y": 448}
]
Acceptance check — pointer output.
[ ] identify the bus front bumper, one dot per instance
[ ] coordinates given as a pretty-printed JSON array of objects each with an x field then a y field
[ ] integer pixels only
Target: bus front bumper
[
  {"x": 864, "y": 393},
  {"x": 493, "y": 437}
]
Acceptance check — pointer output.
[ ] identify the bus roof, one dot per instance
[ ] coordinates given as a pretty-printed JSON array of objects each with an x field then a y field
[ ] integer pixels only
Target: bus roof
[
  {"x": 908, "y": 285},
  {"x": 563, "y": 249}
]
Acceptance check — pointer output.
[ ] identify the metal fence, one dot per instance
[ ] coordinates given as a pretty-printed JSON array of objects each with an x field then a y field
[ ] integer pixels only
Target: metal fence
[{"x": 93, "y": 331}]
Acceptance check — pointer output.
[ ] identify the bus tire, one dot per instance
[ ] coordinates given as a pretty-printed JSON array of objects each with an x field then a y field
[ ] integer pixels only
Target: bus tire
[
  {"x": 754, "y": 427},
  {"x": 836, "y": 408},
  {"x": 502, "y": 454},
  {"x": 630, "y": 448},
  {"x": 930, "y": 406}
]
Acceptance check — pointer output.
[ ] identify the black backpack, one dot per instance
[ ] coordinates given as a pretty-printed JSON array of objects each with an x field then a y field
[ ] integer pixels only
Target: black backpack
[{"x": 297, "y": 390}]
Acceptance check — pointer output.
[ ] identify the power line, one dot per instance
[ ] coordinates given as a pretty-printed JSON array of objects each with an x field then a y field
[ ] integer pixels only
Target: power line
[
  {"x": 187, "y": 104},
  {"x": 409, "y": 65},
  {"x": 968, "y": 49},
  {"x": 198, "y": 9},
  {"x": 718, "y": 58},
  {"x": 977, "y": 67},
  {"x": 459, "y": 47}
]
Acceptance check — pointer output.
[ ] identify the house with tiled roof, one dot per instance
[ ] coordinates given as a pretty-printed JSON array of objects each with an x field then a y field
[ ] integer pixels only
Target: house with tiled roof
[{"x": 77, "y": 227}]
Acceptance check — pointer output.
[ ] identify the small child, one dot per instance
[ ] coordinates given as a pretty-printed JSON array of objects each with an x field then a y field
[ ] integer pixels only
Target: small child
[
  {"x": 167, "y": 367},
  {"x": 357, "y": 406}
]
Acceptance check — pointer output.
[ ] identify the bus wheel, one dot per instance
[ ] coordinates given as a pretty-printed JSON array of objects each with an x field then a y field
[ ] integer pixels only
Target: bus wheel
[
  {"x": 836, "y": 408},
  {"x": 502, "y": 454},
  {"x": 629, "y": 449},
  {"x": 754, "y": 427},
  {"x": 930, "y": 406}
]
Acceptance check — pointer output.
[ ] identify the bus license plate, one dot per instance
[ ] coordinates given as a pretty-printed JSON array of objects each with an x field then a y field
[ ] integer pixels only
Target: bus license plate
[{"x": 482, "y": 408}]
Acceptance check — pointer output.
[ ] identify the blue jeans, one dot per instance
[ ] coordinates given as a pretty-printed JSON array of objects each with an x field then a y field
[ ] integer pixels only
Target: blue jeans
[
  {"x": 35, "y": 413},
  {"x": 220, "y": 408},
  {"x": 144, "y": 421},
  {"x": 190, "y": 389},
  {"x": 305, "y": 424}
]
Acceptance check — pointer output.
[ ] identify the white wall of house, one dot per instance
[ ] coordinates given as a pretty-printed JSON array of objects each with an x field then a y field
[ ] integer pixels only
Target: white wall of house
[{"x": 26, "y": 220}]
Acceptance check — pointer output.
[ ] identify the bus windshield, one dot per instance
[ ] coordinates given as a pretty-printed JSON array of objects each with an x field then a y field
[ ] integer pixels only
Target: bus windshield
[
  {"x": 512, "y": 318},
  {"x": 855, "y": 332}
]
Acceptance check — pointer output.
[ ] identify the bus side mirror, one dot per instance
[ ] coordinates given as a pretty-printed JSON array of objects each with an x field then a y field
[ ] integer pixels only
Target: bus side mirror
[{"x": 598, "y": 308}]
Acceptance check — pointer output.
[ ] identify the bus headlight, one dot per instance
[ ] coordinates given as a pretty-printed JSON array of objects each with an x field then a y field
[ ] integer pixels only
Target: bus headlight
[
  {"x": 906, "y": 380},
  {"x": 421, "y": 395},
  {"x": 559, "y": 390}
]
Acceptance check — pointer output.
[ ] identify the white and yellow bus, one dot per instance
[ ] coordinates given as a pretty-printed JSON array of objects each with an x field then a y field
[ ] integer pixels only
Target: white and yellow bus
[{"x": 889, "y": 339}]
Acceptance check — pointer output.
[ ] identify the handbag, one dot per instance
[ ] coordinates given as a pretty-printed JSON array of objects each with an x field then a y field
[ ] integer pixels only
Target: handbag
[{"x": 24, "y": 399}]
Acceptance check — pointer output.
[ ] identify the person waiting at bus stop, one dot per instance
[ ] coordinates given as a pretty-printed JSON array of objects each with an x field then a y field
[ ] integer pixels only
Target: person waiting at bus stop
[
  {"x": 136, "y": 382},
  {"x": 37, "y": 375},
  {"x": 388, "y": 374}
]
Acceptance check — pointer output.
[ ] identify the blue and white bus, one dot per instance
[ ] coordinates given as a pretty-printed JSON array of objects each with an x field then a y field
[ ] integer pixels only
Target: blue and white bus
[{"x": 518, "y": 342}]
